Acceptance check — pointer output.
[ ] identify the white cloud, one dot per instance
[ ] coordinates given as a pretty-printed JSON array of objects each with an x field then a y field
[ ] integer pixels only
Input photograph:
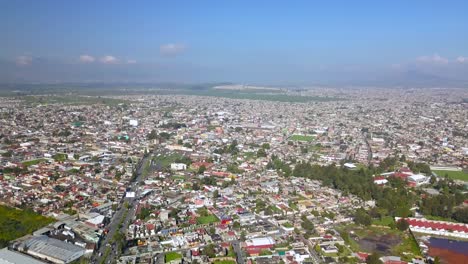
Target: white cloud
[
  {"x": 87, "y": 58},
  {"x": 435, "y": 59},
  {"x": 23, "y": 60},
  {"x": 109, "y": 59},
  {"x": 131, "y": 61},
  {"x": 171, "y": 49},
  {"x": 462, "y": 59}
]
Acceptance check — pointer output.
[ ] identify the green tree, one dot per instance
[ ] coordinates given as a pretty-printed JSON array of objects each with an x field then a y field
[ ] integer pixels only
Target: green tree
[
  {"x": 402, "y": 225},
  {"x": 201, "y": 169},
  {"x": 362, "y": 217},
  {"x": 373, "y": 258},
  {"x": 209, "y": 250},
  {"x": 266, "y": 146}
]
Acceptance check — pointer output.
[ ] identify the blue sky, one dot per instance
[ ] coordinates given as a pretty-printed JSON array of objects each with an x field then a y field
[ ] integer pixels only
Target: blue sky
[{"x": 240, "y": 41}]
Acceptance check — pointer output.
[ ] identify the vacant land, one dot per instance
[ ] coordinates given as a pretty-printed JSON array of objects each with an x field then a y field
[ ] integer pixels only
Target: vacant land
[
  {"x": 70, "y": 100},
  {"x": 33, "y": 162},
  {"x": 302, "y": 138},
  {"x": 456, "y": 175},
  {"x": 15, "y": 223},
  {"x": 172, "y": 256},
  {"x": 207, "y": 219},
  {"x": 383, "y": 240},
  {"x": 385, "y": 221}
]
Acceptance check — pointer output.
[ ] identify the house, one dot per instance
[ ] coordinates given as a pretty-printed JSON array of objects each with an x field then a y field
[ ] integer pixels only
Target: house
[
  {"x": 380, "y": 180},
  {"x": 178, "y": 166}
]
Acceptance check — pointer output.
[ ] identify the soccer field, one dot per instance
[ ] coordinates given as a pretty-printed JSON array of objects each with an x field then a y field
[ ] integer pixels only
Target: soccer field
[{"x": 456, "y": 175}]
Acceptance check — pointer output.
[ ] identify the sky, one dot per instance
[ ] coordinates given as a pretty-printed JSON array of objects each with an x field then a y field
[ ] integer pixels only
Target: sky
[{"x": 262, "y": 42}]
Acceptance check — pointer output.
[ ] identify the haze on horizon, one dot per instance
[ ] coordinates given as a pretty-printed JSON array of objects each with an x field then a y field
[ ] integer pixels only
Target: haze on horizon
[{"x": 263, "y": 42}]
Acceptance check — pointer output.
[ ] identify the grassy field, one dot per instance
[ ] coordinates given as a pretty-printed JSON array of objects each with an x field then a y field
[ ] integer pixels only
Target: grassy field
[
  {"x": 399, "y": 243},
  {"x": 439, "y": 218},
  {"x": 207, "y": 219},
  {"x": 15, "y": 223},
  {"x": 70, "y": 100},
  {"x": 32, "y": 162},
  {"x": 224, "y": 262},
  {"x": 172, "y": 256},
  {"x": 165, "y": 161},
  {"x": 456, "y": 175},
  {"x": 302, "y": 138},
  {"x": 384, "y": 221},
  {"x": 253, "y": 95}
]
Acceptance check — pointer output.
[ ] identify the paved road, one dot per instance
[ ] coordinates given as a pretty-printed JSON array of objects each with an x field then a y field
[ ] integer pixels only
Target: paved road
[
  {"x": 238, "y": 250},
  {"x": 98, "y": 256},
  {"x": 313, "y": 254}
]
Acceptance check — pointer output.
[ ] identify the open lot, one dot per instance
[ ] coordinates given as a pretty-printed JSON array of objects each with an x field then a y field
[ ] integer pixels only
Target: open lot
[
  {"x": 383, "y": 240},
  {"x": 207, "y": 219},
  {"x": 302, "y": 138},
  {"x": 456, "y": 175}
]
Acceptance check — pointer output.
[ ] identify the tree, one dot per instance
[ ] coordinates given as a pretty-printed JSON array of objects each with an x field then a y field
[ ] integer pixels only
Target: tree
[
  {"x": 215, "y": 194},
  {"x": 261, "y": 153},
  {"x": 373, "y": 258},
  {"x": 201, "y": 169},
  {"x": 212, "y": 230},
  {"x": 461, "y": 215},
  {"x": 362, "y": 217},
  {"x": 402, "y": 225},
  {"x": 243, "y": 236},
  {"x": 210, "y": 251}
]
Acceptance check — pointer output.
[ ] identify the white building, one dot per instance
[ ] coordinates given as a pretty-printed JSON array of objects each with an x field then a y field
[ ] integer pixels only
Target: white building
[
  {"x": 419, "y": 179},
  {"x": 178, "y": 166},
  {"x": 133, "y": 122}
]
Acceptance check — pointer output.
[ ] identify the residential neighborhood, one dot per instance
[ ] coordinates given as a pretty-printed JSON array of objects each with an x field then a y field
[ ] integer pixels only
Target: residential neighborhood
[{"x": 198, "y": 179}]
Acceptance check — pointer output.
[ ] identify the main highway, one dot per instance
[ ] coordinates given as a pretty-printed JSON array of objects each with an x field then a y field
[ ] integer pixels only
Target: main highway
[{"x": 121, "y": 219}]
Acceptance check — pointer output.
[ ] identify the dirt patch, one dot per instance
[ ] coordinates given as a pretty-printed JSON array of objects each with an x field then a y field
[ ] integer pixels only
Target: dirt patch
[{"x": 382, "y": 244}]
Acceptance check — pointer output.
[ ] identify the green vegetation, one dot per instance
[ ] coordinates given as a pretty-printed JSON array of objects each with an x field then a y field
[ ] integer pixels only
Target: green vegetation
[
  {"x": 456, "y": 175},
  {"x": 33, "y": 162},
  {"x": 60, "y": 157},
  {"x": 400, "y": 243},
  {"x": 231, "y": 252},
  {"x": 164, "y": 161},
  {"x": 302, "y": 138},
  {"x": 224, "y": 262},
  {"x": 253, "y": 95},
  {"x": 70, "y": 100},
  {"x": 207, "y": 219},
  {"x": 265, "y": 252},
  {"x": 170, "y": 256},
  {"x": 439, "y": 218},
  {"x": 16, "y": 223},
  {"x": 384, "y": 221},
  {"x": 293, "y": 205}
]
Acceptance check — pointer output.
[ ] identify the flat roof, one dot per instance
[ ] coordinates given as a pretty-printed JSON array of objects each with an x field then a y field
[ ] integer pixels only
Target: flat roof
[
  {"x": 261, "y": 241},
  {"x": 53, "y": 248},
  {"x": 12, "y": 257}
]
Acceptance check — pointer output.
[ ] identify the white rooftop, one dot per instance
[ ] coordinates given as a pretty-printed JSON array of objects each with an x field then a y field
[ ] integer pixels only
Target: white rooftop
[
  {"x": 260, "y": 241},
  {"x": 12, "y": 257}
]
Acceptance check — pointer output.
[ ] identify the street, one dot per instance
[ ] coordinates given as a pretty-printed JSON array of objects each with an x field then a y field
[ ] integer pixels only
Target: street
[{"x": 118, "y": 220}]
